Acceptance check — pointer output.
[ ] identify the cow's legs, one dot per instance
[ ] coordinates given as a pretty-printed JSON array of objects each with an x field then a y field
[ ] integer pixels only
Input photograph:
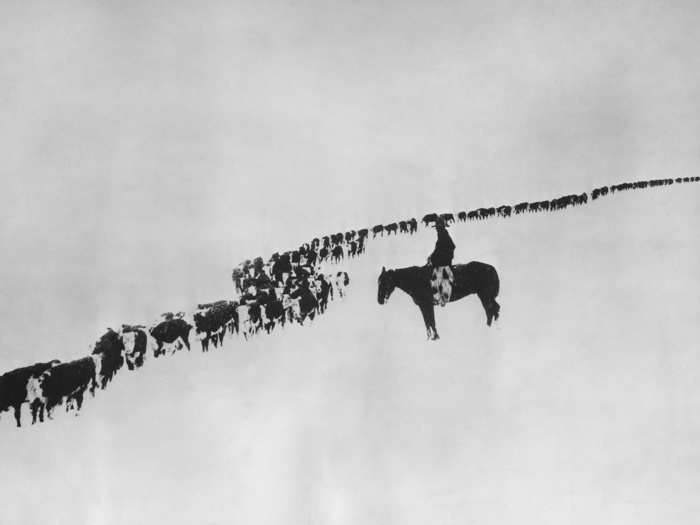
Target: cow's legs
[{"x": 18, "y": 413}]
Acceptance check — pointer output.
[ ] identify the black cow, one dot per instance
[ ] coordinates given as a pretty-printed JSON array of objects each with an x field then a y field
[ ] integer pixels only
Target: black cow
[
  {"x": 503, "y": 211},
  {"x": 391, "y": 228},
  {"x": 311, "y": 257},
  {"x": 403, "y": 227},
  {"x": 379, "y": 228},
  {"x": 337, "y": 253},
  {"x": 430, "y": 217},
  {"x": 362, "y": 233},
  {"x": 350, "y": 235},
  {"x": 462, "y": 216},
  {"x": 281, "y": 266},
  {"x": 353, "y": 249},
  {"x": 109, "y": 351},
  {"x": 361, "y": 245},
  {"x": 307, "y": 303},
  {"x": 324, "y": 291},
  {"x": 473, "y": 215},
  {"x": 13, "y": 387},
  {"x": 448, "y": 218},
  {"x": 135, "y": 339},
  {"x": 323, "y": 254},
  {"x": 412, "y": 226},
  {"x": 65, "y": 381},
  {"x": 326, "y": 241},
  {"x": 521, "y": 208},
  {"x": 213, "y": 319},
  {"x": 169, "y": 331}
]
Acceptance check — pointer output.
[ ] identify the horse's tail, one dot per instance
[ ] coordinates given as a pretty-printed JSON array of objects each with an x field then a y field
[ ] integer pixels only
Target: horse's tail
[{"x": 496, "y": 284}]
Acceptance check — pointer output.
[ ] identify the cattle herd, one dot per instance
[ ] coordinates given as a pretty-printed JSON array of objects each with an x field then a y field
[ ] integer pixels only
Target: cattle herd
[{"x": 289, "y": 287}]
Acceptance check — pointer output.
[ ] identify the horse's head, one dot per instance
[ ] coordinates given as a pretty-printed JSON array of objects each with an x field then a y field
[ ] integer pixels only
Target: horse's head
[{"x": 386, "y": 285}]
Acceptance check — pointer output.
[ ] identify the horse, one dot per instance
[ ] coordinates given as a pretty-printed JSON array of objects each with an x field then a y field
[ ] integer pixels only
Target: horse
[{"x": 472, "y": 277}]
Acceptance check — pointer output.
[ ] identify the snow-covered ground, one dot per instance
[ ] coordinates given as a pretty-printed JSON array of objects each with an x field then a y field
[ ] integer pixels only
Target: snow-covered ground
[{"x": 580, "y": 405}]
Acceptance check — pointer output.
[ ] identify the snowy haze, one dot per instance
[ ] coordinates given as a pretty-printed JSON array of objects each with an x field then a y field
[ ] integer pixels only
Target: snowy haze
[{"x": 149, "y": 147}]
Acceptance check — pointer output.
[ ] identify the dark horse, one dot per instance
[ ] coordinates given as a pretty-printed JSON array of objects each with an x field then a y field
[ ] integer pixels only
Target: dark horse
[{"x": 473, "y": 277}]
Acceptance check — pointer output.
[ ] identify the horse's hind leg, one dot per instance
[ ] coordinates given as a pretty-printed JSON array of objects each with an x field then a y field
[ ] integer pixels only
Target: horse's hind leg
[{"x": 491, "y": 307}]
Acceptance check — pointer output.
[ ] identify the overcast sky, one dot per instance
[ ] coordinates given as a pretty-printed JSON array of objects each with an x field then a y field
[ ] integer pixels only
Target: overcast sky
[{"x": 148, "y": 147}]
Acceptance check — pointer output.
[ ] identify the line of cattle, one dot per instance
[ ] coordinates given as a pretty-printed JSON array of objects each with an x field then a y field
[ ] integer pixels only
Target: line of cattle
[
  {"x": 351, "y": 243},
  {"x": 44, "y": 386},
  {"x": 285, "y": 288}
]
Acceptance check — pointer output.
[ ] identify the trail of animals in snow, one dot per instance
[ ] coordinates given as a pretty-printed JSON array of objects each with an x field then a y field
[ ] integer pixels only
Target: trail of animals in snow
[{"x": 287, "y": 287}]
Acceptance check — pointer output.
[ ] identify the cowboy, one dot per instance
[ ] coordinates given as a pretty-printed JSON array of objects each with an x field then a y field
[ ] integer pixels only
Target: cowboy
[{"x": 440, "y": 261}]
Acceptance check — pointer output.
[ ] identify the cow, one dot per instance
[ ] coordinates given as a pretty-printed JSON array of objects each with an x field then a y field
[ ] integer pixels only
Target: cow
[
  {"x": 307, "y": 303},
  {"x": 473, "y": 215},
  {"x": 353, "y": 249},
  {"x": 324, "y": 292},
  {"x": 503, "y": 211},
  {"x": 391, "y": 228},
  {"x": 238, "y": 276},
  {"x": 135, "y": 340},
  {"x": 13, "y": 387},
  {"x": 172, "y": 329},
  {"x": 448, "y": 218},
  {"x": 462, "y": 216},
  {"x": 350, "y": 235},
  {"x": 282, "y": 266},
  {"x": 412, "y": 226},
  {"x": 362, "y": 233},
  {"x": 311, "y": 258},
  {"x": 109, "y": 351},
  {"x": 361, "y": 245},
  {"x": 403, "y": 227},
  {"x": 323, "y": 254},
  {"x": 521, "y": 208},
  {"x": 430, "y": 217},
  {"x": 379, "y": 228},
  {"x": 342, "y": 280},
  {"x": 65, "y": 381},
  {"x": 211, "y": 320},
  {"x": 337, "y": 254}
]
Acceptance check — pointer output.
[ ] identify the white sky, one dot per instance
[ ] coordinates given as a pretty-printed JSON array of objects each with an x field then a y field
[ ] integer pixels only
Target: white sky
[{"x": 150, "y": 146}]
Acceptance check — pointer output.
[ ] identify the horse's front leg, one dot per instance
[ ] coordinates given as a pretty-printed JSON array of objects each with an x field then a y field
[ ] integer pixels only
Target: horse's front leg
[{"x": 429, "y": 318}]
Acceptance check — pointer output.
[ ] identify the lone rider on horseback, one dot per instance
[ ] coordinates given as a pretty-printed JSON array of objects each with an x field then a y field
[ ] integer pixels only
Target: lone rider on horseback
[{"x": 440, "y": 261}]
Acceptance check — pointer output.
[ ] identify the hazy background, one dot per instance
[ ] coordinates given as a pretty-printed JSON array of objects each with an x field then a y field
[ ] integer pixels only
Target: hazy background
[{"x": 147, "y": 147}]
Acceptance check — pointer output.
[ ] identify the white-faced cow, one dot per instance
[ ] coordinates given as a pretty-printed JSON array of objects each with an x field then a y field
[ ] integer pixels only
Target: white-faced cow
[
  {"x": 135, "y": 340},
  {"x": 13, "y": 387},
  {"x": 63, "y": 382}
]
